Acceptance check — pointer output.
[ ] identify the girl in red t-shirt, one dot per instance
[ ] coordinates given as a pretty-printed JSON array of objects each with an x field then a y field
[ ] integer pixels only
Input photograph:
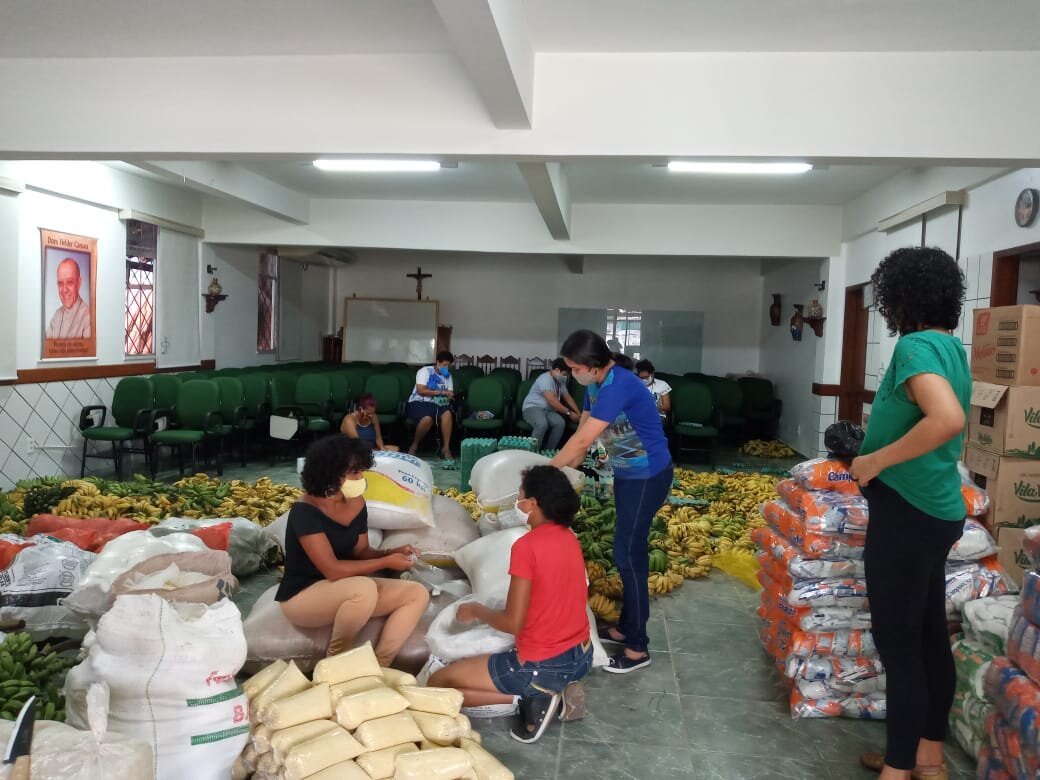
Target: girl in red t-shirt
[{"x": 545, "y": 610}]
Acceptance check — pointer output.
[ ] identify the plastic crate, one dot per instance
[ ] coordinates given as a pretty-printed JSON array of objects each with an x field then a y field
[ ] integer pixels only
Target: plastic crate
[
  {"x": 472, "y": 450},
  {"x": 525, "y": 443}
]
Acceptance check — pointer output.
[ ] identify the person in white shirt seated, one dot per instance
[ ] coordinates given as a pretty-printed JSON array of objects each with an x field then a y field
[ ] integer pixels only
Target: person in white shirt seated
[
  {"x": 430, "y": 404},
  {"x": 659, "y": 389}
]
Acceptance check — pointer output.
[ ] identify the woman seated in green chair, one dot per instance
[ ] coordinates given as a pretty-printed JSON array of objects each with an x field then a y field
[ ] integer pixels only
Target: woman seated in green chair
[
  {"x": 430, "y": 403},
  {"x": 363, "y": 423}
]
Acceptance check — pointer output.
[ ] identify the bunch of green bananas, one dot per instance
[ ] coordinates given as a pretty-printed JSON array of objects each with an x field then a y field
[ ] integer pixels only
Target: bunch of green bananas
[{"x": 25, "y": 669}]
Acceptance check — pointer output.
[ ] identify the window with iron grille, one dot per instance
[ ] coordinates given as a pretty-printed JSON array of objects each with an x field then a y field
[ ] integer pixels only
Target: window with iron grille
[
  {"x": 266, "y": 297},
  {"x": 141, "y": 243}
]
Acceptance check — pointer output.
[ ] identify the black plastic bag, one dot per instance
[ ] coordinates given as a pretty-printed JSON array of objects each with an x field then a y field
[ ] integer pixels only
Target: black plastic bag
[{"x": 843, "y": 440}]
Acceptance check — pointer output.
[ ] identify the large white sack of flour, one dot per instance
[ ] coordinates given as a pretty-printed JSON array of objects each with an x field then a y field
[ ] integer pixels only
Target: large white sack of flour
[
  {"x": 170, "y": 669},
  {"x": 496, "y": 477},
  {"x": 486, "y": 563},
  {"x": 399, "y": 492},
  {"x": 453, "y": 527}
]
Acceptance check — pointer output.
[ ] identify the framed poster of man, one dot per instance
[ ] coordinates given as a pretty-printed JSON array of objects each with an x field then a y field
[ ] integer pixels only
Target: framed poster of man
[{"x": 69, "y": 267}]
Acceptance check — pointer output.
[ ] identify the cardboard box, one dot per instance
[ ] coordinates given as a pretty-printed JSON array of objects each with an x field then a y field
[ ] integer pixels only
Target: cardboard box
[
  {"x": 1005, "y": 420},
  {"x": 1005, "y": 346},
  {"x": 1011, "y": 556},
  {"x": 1013, "y": 485}
]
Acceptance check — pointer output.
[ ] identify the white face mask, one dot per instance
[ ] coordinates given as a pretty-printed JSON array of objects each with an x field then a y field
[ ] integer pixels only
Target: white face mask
[
  {"x": 521, "y": 512},
  {"x": 352, "y": 488},
  {"x": 648, "y": 381}
]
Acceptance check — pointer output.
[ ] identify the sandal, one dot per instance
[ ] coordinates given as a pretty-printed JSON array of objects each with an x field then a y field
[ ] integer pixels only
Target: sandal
[
  {"x": 572, "y": 702},
  {"x": 604, "y": 634},
  {"x": 536, "y": 712},
  {"x": 875, "y": 762}
]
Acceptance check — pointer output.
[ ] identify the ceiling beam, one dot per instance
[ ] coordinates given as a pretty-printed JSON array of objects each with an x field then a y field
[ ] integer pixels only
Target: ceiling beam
[
  {"x": 548, "y": 185},
  {"x": 227, "y": 180},
  {"x": 490, "y": 37}
]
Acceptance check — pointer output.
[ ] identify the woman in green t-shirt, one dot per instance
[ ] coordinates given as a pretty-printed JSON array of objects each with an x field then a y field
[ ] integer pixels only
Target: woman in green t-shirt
[{"x": 907, "y": 470}]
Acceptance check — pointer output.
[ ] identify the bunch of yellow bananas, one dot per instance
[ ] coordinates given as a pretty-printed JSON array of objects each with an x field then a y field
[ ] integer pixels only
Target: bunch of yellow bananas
[
  {"x": 604, "y": 608},
  {"x": 767, "y": 449}
]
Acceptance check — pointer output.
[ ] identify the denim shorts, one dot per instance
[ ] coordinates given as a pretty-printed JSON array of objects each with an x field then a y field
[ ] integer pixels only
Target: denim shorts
[{"x": 535, "y": 678}]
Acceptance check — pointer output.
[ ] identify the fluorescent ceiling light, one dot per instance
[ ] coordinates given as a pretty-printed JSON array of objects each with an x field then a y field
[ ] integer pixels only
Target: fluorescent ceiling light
[
  {"x": 693, "y": 166},
  {"x": 378, "y": 166}
]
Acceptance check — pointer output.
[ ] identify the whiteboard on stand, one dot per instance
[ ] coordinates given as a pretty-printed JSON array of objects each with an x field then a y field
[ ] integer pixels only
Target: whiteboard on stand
[{"x": 384, "y": 330}]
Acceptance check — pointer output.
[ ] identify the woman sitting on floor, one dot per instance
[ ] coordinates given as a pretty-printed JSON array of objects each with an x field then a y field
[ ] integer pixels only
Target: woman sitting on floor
[
  {"x": 363, "y": 423},
  {"x": 545, "y": 610}
]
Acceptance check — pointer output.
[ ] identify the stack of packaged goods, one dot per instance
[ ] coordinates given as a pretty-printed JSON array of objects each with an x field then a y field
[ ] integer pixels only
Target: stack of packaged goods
[
  {"x": 986, "y": 625},
  {"x": 815, "y": 610},
  {"x": 1012, "y": 686}
]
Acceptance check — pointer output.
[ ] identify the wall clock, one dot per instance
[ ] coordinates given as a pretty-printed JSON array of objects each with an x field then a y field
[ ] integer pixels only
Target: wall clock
[{"x": 1026, "y": 207}]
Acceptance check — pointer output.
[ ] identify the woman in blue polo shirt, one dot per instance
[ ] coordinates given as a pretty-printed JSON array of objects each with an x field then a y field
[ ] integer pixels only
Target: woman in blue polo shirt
[{"x": 623, "y": 416}]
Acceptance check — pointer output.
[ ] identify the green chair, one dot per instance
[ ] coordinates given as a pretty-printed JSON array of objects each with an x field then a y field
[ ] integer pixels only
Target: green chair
[
  {"x": 256, "y": 387},
  {"x": 387, "y": 391},
  {"x": 396, "y": 364},
  {"x": 519, "y": 423},
  {"x": 199, "y": 421},
  {"x": 132, "y": 404},
  {"x": 510, "y": 379},
  {"x": 405, "y": 380},
  {"x": 761, "y": 406},
  {"x": 167, "y": 389},
  {"x": 339, "y": 386},
  {"x": 312, "y": 400},
  {"x": 283, "y": 389},
  {"x": 486, "y": 394},
  {"x": 729, "y": 407},
  {"x": 234, "y": 412},
  {"x": 693, "y": 417},
  {"x": 461, "y": 380}
]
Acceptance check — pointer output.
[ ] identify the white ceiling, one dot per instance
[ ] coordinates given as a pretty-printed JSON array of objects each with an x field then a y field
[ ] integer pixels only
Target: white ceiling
[
  {"x": 494, "y": 181},
  {"x": 193, "y": 28},
  {"x": 783, "y": 25},
  {"x": 218, "y": 28},
  {"x": 597, "y": 181}
]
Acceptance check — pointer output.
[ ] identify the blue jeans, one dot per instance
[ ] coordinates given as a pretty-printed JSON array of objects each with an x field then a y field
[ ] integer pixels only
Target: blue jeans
[
  {"x": 637, "y": 501},
  {"x": 536, "y": 678}
]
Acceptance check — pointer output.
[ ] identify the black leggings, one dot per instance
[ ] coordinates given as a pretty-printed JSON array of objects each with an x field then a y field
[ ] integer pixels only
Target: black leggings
[{"x": 905, "y": 560}]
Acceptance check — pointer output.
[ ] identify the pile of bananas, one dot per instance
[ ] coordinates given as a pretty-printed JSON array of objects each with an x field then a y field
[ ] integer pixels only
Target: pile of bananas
[
  {"x": 25, "y": 670},
  {"x": 767, "y": 449},
  {"x": 143, "y": 500},
  {"x": 468, "y": 500}
]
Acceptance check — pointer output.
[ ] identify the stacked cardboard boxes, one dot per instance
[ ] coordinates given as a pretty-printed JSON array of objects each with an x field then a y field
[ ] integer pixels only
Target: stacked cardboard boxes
[{"x": 1003, "y": 450}]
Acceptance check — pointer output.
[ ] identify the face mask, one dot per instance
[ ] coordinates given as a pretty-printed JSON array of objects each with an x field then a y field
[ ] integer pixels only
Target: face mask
[
  {"x": 443, "y": 371},
  {"x": 584, "y": 378},
  {"x": 521, "y": 512},
  {"x": 648, "y": 381},
  {"x": 352, "y": 488}
]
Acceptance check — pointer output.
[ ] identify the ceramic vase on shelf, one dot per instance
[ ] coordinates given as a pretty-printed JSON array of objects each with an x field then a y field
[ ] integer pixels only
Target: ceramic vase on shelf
[
  {"x": 214, "y": 286},
  {"x": 797, "y": 322},
  {"x": 815, "y": 310},
  {"x": 774, "y": 310}
]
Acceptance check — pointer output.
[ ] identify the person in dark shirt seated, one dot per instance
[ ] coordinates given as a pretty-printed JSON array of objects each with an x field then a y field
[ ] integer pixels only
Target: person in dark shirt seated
[{"x": 329, "y": 566}]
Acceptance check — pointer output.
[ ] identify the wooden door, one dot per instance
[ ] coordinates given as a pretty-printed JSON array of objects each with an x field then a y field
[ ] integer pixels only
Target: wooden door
[{"x": 852, "y": 391}]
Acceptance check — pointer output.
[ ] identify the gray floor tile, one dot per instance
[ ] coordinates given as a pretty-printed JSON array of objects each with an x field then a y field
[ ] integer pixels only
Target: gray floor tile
[
  {"x": 763, "y": 729},
  {"x": 728, "y": 675},
  {"x": 701, "y": 600},
  {"x": 537, "y": 761},
  {"x": 623, "y": 761},
  {"x": 714, "y": 639},
  {"x": 839, "y": 739},
  {"x": 725, "y": 766},
  {"x": 621, "y": 714},
  {"x": 659, "y": 677}
]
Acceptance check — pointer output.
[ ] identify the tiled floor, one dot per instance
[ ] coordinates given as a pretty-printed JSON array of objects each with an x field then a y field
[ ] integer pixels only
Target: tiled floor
[{"x": 711, "y": 706}]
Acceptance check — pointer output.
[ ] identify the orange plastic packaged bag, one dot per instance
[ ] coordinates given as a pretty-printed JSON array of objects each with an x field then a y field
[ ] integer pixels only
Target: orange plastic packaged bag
[
  {"x": 825, "y": 474},
  {"x": 791, "y": 525}
]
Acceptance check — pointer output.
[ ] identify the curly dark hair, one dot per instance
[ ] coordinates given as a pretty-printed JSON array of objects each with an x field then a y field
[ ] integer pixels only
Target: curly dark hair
[
  {"x": 918, "y": 288},
  {"x": 552, "y": 490},
  {"x": 330, "y": 459}
]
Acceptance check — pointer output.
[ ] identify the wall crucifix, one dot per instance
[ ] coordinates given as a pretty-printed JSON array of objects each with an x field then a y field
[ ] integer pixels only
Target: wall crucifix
[{"x": 418, "y": 276}]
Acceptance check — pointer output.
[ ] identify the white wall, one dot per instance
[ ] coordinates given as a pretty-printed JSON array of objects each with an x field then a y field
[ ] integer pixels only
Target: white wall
[
  {"x": 229, "y": 334},
  {"x": 790, "y": 364},
  {"x": 508, "y": 305}
]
